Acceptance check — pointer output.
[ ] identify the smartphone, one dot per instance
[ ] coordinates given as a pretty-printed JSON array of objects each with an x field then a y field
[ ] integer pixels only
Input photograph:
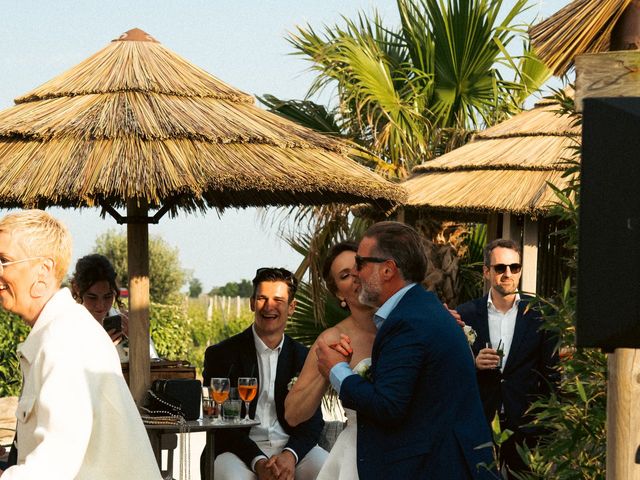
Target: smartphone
[{"x": 113, "y": 322}]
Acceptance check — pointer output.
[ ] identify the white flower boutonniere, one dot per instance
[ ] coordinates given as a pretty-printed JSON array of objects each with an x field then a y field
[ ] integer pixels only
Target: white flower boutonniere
[
  {"x": 292, "y": 382},
  {"x": 470, "y": 333},
  {"x": 364, "y": 369}
]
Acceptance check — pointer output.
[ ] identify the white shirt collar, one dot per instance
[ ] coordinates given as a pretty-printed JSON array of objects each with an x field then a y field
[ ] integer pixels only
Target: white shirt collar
[
  {"x": 387, "y": 307},
  {"x": 262, "y": 347},
  {"x": 490, "y": 304}
]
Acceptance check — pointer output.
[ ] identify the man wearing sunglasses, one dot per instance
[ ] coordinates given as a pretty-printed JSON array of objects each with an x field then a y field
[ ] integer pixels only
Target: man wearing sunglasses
[
  {"x": 515, "y": 358},
  {"x": 419, "y": 410}
]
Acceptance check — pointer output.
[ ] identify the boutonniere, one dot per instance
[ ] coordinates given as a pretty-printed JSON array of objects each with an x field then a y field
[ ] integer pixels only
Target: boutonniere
[
  {"x": 470, "y": 333},
  {"x": 292, "y": 382},
  {"x": 364, "y": 370}
]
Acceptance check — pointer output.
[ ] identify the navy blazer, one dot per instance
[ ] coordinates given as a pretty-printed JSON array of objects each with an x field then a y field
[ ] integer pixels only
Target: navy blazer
[
  {"x": 420, "y": 416},
  {"x": 236, "y": 357},
  {"x": 530, "y": 369}
]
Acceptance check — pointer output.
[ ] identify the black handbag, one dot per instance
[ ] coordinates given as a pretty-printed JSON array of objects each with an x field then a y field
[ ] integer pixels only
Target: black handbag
[{"x": 180, "y": 396}]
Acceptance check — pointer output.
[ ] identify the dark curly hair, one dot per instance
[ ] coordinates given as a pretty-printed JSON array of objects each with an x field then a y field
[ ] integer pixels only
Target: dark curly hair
[{"x": 90, "y": 270}]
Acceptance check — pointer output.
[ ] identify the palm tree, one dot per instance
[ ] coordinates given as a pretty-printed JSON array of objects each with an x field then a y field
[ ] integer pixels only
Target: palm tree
[
  {"x": 407, "y": 94},
  {"x": 416, "y": 91}
]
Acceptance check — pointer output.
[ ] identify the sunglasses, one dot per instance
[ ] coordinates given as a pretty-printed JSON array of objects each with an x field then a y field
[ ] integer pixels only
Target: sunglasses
[
  {"x": 501, "y": 267},
  {"x": 361, "y": 261}
]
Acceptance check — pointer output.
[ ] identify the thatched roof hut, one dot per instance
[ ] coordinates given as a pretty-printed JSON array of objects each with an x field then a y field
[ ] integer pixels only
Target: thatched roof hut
[
  {"x": 135, "y": 120},
  {"x": 502, "y": 173},
  {"x": 583, "y": 26},
  {"x": 137, "y": 126},
  {"x": 504, "y": 168}
]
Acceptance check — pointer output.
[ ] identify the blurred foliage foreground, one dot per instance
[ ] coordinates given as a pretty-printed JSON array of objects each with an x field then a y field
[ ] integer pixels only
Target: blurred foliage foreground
[{"x": 180, "y": 332}]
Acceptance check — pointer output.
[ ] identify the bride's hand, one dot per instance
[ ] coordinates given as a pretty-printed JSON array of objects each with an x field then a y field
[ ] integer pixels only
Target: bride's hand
[
  {"x": 343, "y": 346},
  {"x": 328, "y": 357}
]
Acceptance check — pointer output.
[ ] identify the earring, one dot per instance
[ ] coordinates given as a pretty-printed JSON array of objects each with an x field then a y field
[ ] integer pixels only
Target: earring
[
  {"x": 37, "y": 289},
  {"x": 343, "y": 304}
]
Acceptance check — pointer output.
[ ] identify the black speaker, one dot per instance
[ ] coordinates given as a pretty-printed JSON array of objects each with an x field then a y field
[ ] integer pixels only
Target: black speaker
[{"x": 609, "y": 232}]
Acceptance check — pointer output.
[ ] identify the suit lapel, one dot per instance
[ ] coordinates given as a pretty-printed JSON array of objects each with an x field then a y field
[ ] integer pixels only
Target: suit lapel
[
  {"x": 519, "y": 333},
  {"x": 483, "y": 323},
  {"x": 248, "y": 364}
]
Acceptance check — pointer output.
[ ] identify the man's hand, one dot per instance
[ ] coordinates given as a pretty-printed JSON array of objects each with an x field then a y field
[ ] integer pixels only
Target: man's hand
[
  {"x": 327, "y": 358},
  {"x": 282, "y": 465},
  {"x": 455, "y": 315},
  {"x": 487, "y": 359},
  {"x": 263, "y": 472}
]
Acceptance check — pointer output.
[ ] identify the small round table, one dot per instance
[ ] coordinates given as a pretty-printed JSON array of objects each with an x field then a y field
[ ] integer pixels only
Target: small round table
[{"x": 207, "y": 425}]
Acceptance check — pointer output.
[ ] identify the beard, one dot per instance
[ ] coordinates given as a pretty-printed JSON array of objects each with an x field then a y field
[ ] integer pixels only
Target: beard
[
  {"x": 370, "y": 291},
  {"x": 505, "y": 289}
]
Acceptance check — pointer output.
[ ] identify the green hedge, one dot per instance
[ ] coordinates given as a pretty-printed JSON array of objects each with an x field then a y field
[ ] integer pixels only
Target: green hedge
[{"x": 12, "y": 332}]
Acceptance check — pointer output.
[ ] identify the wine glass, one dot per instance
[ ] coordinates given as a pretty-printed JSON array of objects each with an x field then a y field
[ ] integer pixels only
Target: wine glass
[
  {"x": 247, "y": 389},
  {"x": 220, "y": 391}
]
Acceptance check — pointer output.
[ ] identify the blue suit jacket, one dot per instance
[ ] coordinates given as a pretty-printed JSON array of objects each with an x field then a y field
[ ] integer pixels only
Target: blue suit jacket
[
  {"x": 420, "y": 416},
  {"x": 236, "y": 357},
  {"x": 530, "y": 370}
]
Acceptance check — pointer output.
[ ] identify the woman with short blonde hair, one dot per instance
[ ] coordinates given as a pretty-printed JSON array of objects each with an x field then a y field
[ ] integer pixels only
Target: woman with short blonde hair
[{"x": 74, "y": 399}]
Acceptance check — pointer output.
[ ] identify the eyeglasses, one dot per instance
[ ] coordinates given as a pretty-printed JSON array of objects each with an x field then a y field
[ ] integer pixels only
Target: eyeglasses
[
  {"x": 360, "y": 261},
  {"x": 500, "y": 268},
  {"x": 4, "y": 264}
]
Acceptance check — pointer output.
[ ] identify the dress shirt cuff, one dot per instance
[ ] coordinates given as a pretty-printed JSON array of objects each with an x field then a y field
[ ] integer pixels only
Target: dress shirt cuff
[
  {"x": 255, "y": 460},
  {"x": 295, "y": 455},
  {"x": 338, "y": 373}
]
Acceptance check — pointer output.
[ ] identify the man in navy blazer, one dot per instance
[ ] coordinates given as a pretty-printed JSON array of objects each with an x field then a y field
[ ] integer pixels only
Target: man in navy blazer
[
  {"x": 510, "y": 382},
  {"x": 273, "y": 449},
  {"x": 419, "y": 410}
]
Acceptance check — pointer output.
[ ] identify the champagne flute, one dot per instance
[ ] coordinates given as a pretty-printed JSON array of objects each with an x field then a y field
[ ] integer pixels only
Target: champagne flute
[
  {"x": 247, "y": 389},
  {"x": 220, "y": 391}
]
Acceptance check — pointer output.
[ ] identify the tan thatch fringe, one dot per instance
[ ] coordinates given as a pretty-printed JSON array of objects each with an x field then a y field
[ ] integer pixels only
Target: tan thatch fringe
[
  {"x": 135, "y": 120},
  {"x": 505, "y": 168},
  {"x": 583, "y": 26}
]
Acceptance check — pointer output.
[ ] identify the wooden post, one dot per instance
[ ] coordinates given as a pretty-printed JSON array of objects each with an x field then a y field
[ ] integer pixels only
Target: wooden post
[
  {"x": 510, "y": 229},
  {"x": 529, "y": 279},
  {"x": 623, "y": 414},
  {"x": 616, "y": 74},
  {"x": 138, "y": 261}
]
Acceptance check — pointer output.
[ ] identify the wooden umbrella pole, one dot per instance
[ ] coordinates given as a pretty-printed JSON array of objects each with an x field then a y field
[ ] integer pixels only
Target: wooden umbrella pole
[
  {"x": 623, "y": 414},
  {"x": 138, "y": 264}
]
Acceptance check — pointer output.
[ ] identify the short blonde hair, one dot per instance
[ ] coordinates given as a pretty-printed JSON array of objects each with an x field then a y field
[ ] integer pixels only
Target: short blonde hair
[{"x": 41, "y": 235}]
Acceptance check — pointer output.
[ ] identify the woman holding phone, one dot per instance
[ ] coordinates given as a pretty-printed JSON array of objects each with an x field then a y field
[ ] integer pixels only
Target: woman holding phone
[{"x": 94, "y": 286}]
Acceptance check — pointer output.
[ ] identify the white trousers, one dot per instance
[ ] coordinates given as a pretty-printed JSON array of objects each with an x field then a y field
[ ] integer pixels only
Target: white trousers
[{"x": 229, "y": 467}]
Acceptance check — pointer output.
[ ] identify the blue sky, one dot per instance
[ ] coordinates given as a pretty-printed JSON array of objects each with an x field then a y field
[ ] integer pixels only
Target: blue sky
[{"x": 241, "y": 42}]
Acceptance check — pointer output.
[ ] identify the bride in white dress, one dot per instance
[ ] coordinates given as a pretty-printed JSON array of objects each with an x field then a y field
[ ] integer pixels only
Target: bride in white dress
[{"x": 307, "y": 392}]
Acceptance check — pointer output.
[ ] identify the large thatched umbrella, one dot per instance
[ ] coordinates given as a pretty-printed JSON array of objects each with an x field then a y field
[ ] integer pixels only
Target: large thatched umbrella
[
  {"x": 137, "y": 126},
  {"x": 585, "y": 26},
  {"x": 505, "y": 169}
]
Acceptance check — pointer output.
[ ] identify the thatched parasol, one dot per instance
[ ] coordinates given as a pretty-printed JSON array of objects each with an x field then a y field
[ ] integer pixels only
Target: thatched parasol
[
  {"x": 583, "y": 26},
  {"x": 504, "y": 169},
  {"x": 136, "y": 125}
]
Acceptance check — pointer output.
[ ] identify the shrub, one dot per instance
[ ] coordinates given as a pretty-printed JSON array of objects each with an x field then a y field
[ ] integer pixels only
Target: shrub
[{"x": 12, "y": 332}]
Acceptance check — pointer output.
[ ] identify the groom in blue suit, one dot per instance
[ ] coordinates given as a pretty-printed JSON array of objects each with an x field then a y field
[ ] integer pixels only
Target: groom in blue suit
[{"x": 419, "y": 410}]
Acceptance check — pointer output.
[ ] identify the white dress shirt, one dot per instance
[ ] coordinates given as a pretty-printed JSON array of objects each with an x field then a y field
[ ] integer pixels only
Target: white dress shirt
[
  {"x": 76, "y": 417},
  {"x": 269, "y": 433},
  {"x": 502, "y": 326}
]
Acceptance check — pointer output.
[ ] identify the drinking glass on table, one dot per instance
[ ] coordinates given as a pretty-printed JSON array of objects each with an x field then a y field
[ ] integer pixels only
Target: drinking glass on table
[
  {"x": 247, "y": 389},
  {"x": 220, "y": 392}
]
